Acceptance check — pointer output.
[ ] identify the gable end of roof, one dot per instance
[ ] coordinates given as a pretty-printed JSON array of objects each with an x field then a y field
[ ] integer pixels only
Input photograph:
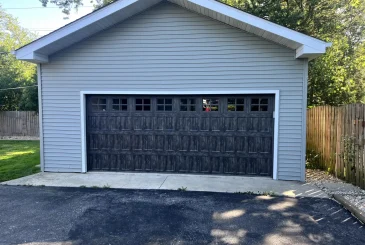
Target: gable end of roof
[{"x": 38, "y": 51}]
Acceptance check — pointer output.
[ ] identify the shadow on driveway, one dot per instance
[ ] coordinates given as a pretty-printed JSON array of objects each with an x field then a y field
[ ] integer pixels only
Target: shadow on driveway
[{"x": 42, "y": 215}]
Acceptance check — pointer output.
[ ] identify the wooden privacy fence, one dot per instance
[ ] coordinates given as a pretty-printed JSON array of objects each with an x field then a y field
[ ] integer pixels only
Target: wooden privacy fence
[
  {"x": 19, "y": 123},
  {"x": 336, "y": 141}
]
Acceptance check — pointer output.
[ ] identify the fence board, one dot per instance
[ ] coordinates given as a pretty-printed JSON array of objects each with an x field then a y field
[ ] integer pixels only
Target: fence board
[
  {"x": 19, "y": 123},
  {"x": 337, "y": 136}
]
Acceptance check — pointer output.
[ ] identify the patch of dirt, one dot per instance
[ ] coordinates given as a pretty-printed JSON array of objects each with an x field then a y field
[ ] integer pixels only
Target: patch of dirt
[
  {"x": 316, "y": 176},
  {"x": 320, "y": 178}
]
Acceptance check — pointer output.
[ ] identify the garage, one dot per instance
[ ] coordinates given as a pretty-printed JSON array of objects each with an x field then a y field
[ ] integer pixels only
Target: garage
[
  {"x": 175, "y": 86},
  {"x": 206, "y": 134}
]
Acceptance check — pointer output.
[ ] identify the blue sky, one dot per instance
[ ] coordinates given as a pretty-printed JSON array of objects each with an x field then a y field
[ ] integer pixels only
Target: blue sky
[{"x": 34, "y": 17}]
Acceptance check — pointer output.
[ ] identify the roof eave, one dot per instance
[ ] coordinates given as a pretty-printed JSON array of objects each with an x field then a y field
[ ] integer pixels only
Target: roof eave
[
  {"x": 32, "y": 57},
  {"x": 306, "y": 52}
]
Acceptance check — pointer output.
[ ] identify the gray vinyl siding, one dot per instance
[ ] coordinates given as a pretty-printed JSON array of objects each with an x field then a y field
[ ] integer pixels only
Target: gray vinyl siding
[{"x": 170, "y": 48}]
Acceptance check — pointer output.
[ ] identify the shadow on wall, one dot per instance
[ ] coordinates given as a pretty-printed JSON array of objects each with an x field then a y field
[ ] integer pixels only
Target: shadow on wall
[{"x": 170, "y": 217}]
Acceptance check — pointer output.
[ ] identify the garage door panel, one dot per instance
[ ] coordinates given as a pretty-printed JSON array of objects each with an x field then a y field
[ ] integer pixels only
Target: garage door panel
[
  {"x": 183, "y": 143},
  {"x": 137, "y": 142},
  {"x": 241, "y": 144},
  {"x": 229, "y": 144},
  {"x": 183, "y": 134},
  {"x": 149, "y": 162},
  {"x": 242, "y": 123},
  {"x": 215, "y": 144},
  {"x": 266, "y": 145},
  {"x": 139, "y": 163},
  {"x": 114, "y": 159},
  {"x": 241, "y": 165},
  {"x": 205, "y": 165},
  {"x": 170, "y": 143},
  {"x": 252, "y": 165},
  {"x": 216, "y": 165},
  {"x": 265, "y": 125},
  {"x": 196, "y": 164},
  {"x": 230, "y": 165},
  {"x": 159, "y": 142},
  {"x": 171, "y": 163},
  {"x": 205, "y": 124},
  {"x": 148, "y": 142},
  {"x": 204, "y": 143},
  {"x": 127, "y": 162},
  {"x": 124, "y": 142},
  {"x": 216, "y": 124},
  {"x": 230, "y": 124},
  {"x": 194, "y": 144}
]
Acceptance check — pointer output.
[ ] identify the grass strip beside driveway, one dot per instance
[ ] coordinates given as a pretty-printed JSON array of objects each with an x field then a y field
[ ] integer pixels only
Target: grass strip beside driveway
[{"x": 18, "y": 158}]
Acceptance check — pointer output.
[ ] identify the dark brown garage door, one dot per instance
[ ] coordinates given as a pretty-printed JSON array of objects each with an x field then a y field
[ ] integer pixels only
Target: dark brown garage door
[{"x": 224, "y": 134}]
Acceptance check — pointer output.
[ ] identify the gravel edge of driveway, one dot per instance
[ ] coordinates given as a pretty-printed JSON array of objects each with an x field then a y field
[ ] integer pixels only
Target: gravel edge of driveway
[{"x": 334, "y": 186}]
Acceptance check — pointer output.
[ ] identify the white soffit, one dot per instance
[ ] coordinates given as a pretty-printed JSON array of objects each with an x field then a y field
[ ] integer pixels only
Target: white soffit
[{"x": 38, "y": 51}]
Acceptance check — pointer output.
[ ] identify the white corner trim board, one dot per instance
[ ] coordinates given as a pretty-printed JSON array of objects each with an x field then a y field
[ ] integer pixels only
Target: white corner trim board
[
  {"x": 40, "y": 116},
  {"x": 104, "y": 18},
  {"x": 179, "y": 92},
  {"x": 83, "y": 132}
]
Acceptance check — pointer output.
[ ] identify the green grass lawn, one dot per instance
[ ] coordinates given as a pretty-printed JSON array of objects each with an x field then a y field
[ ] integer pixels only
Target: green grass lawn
[{"x": 18, "y": 158}]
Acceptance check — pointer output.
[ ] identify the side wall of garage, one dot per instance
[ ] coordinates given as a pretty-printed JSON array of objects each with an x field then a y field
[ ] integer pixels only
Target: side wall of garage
[{"x": 170, "y": 48}]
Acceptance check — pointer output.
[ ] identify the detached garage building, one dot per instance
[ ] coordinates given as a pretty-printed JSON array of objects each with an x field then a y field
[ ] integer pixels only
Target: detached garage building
[{"x": 181, "y": 86}]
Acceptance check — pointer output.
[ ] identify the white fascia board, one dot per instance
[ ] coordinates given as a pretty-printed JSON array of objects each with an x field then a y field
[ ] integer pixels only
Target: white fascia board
[
  {"x": 306, "y": 52},
  {"x": 262, "y": 24},
  {"x": 32, "y": 57},
  {"x": 75, "y": 26}
]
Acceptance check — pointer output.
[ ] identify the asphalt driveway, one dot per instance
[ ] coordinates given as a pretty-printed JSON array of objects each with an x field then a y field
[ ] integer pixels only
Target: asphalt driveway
[{"x": 42, "y": 215}]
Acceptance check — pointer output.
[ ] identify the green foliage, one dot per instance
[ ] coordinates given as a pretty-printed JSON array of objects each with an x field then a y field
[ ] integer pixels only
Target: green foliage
[
  {"x": 65, "y": 5},
  {"x": 337, "y": 77},
  {"x": 68, "y": 5},
  {"x": 15, "y": 73},
  {"x": 101, "y": 3},
  {"x": 312, "y": 160},
  {"x": 29, "y": 99},
  {"x": 348, "y": 153}
]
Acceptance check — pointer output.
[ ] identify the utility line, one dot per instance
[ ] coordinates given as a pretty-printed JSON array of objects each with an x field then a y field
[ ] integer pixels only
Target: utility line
[
  {"x": 4, "y": 89},
  {"x": 26, "y": 8}
]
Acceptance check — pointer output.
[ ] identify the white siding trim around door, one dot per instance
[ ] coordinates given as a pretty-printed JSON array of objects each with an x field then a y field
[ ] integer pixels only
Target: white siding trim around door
[{"x": 179, "y": 92}]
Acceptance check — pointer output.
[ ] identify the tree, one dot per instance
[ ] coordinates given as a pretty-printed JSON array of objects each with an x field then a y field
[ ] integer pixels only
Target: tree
[
  {"x": 14, "y": 73},
  {"x": 29, "y": 99},
  {"x": 336, "y": 78},
  {"x": 68, "y": 5}
]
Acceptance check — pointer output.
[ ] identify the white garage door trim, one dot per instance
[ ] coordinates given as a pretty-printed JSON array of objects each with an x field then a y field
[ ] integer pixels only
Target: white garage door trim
[{"x": 169, "y": 92}]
